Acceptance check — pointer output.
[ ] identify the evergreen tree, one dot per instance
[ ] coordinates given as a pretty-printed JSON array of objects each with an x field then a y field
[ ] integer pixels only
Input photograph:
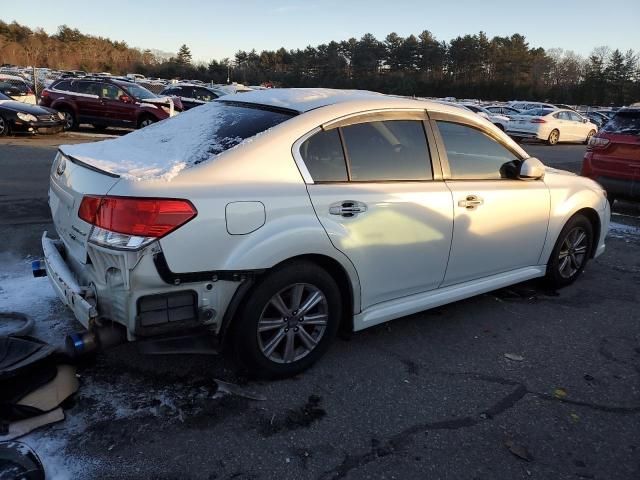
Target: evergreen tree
[{"x": 184, "y": 55}]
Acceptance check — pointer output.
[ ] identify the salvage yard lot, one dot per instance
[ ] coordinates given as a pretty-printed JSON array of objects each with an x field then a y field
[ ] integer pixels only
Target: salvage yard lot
[{"x": 427, "y": 396}]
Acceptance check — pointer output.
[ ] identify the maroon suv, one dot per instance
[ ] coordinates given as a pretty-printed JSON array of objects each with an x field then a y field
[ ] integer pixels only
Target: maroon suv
[
  {"x": 613, "y": 155},
  {"x": 105, "y": 102}
]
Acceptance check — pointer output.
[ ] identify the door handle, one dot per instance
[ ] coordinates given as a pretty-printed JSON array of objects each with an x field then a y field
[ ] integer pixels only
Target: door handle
[
  {"x": 347, "y": 208},
  {"x": 471, "y": 202}
]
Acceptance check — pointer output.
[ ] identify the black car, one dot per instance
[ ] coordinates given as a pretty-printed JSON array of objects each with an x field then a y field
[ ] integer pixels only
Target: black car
[
  {"x": 24, "y": 117},
  {"x": 192, "y": 95}
]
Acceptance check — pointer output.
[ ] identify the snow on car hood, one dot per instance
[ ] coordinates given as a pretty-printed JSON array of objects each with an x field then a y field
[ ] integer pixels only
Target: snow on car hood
[{"x": 161, "y": 150}]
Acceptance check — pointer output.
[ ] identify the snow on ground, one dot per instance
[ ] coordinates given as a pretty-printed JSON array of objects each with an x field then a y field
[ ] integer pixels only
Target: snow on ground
[
  {"x": 623, "y": 231},
  {"x": 100, "y": 397}
]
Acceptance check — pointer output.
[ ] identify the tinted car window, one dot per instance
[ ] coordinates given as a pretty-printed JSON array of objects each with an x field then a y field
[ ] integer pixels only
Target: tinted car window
[
  {"x": 87, "y": 88},
  {"x": 574, "y": 117},
  {"x": 322, "y": 154},
  {"x": 203, "y": 94},
  {"x": 238, "y": 122},
  {"x": 624, "y": 123},
  {"x": 388, "y": 150},
  {"x": 472, "y": 154},
  {"x": 64, "y": 85}
]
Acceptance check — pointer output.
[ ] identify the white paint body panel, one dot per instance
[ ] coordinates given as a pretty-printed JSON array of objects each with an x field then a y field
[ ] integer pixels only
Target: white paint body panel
[{"x": 396, "y": 255}]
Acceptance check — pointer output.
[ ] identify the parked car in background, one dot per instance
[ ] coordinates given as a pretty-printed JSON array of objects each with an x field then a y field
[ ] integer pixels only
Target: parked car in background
[
  {"x": 596, "y": 117},
  {"x": 500, "y": 121},
  {"x": 502, "y": 110},
  {"x": 551, "y": 126},
  {"x": 17, "y": 88},
  {"x": 23, "y": 117},
  {"x": 522, "y": 106},
  {"x": 191, "y": 95},
  {"x": 105, "y": 102},
  {"x": 562, "y": 106},
  {"x": 613, "y": 155},
  {"x": 291, "y": 210}
]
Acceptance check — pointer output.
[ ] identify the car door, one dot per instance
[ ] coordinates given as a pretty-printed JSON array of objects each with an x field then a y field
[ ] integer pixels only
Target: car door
[
  {"x": 500, "y": 223},
  {"x": 580, "y": 127},
  {"x": 119, "y": 107},
  {"x": 373, "y": 188},
  {"x": 87, "y": 101}
]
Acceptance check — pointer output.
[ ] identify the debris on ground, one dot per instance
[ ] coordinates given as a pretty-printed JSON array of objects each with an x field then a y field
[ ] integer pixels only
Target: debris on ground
[
  {"x": 514, "y": 357},
  {"x": 518, "y": 450},
  {"x": 226, "y": 388},
  {"x": 560, "y": 393}
]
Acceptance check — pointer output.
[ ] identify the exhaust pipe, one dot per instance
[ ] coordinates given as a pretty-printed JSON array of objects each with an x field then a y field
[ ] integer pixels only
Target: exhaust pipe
[{"x": 82, "y": 343}]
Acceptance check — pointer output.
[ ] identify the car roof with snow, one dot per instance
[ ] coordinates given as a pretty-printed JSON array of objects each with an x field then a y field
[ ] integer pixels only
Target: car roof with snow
[{"x": 305, "y": 99}]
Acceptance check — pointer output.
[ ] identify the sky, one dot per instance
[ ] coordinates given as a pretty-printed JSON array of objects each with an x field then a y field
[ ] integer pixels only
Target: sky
[{"x": 215, "y": 29}]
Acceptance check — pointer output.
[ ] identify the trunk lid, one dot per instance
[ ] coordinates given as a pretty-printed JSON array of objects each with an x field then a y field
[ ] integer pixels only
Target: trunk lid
[{"x": 69, "y": 180}]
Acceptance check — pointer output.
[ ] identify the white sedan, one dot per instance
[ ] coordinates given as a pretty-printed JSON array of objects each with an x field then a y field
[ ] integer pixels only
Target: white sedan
[
  {"x": 499, "y": 120},
  {"x": 272, "y": 218},
  {"x": 551, "y": 126}
]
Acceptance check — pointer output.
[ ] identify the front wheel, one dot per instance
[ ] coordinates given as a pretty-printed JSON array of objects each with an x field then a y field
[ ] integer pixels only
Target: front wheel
[
  {"x": 146, "y": 121},
  {"x": 4, "y": 127},
  {"x": 288, "y": 321},
  {"x": 571, "y": 252},
  {"x": 589, "y": 135},
  {"x": 69, "y": 120},
  {"x": 554, "y": 136}
]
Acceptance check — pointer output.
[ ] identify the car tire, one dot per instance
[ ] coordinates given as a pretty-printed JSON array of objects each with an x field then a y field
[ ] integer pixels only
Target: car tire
[
  {"x": 554, "y": 137},
  {"x": 570, "y": 253},
  {"x": 269, "y": 338},
  {"x": 70, "y": 122},
  {"x": 145, "y": 121},
  {"x": 589, "y": 135},
  {"x": 4, "y": 127}
]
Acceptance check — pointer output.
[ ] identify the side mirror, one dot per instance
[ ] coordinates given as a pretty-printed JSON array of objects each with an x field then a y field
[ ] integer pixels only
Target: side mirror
[
  {"x": 125, "y": 99},
  {"x": 584, "y": 120},
  {"x": 531, "y": 169}
]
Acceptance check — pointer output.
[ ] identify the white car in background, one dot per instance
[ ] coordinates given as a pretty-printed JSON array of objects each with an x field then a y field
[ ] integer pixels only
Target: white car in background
[
  {"x": 551, "y": 126},
  {"x": 500, "y": 121},
  {"x": 522, "y": 106},
  {"x": 17, "y": 88},
  {"x": 275, "y": 217}
]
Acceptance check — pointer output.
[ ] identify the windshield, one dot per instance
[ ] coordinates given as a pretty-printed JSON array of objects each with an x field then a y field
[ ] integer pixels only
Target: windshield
[
  {"x": 624, "y": 123},
  {"x": 138, "y": 92}
]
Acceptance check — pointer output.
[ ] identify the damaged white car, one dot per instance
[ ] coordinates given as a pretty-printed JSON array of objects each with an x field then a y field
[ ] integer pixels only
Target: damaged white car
[{"x": 272, "y": 218}]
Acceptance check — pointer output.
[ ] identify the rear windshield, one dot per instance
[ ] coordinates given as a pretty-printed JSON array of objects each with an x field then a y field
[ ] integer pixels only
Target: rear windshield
[{"x": 625, "y": 123}]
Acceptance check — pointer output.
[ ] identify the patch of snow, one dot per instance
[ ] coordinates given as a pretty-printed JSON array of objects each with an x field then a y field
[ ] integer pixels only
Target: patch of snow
[
  {"x": 163, "y": 149},
  {"x": 300, "y": 99},
  {"x": 621, "y": 230}
]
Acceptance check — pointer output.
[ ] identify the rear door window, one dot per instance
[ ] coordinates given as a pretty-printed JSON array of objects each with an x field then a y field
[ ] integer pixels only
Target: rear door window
[
  {"x": 391, "y": 150},
  {"x": 474, "y": 155},
  {"x": 64, "y": 85},
  {"x": 626, "y": 123}
]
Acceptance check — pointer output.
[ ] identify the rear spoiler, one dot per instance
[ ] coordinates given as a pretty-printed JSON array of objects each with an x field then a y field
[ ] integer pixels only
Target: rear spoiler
[{"x": 86, "y": 165}]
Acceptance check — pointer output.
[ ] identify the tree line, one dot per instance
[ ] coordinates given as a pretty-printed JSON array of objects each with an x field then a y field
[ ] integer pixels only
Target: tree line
[{"x": 469, "y": 66}]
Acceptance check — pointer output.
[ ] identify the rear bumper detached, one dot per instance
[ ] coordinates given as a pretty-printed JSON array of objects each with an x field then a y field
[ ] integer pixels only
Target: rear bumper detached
[
  {"x": 147, "y": 306},
  {"x": 81, "y": 300}
]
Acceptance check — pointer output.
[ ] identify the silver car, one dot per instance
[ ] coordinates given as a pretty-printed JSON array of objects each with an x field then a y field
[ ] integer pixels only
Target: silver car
[{"x": 275, "y": 217}]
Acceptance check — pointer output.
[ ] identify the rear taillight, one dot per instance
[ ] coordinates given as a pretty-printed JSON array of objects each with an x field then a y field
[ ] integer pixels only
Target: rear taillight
[
  {"x": 126, "y": 222},
  {"x": 538, "y": 120},
  {"x": 597, "y": 143},
  {"x": 44, "y": 93}
]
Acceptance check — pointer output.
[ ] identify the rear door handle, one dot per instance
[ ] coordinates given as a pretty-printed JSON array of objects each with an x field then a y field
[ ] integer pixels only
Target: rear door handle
[
  {"x": 471, "y": 202},
  {"x": 347, "y": 208}
]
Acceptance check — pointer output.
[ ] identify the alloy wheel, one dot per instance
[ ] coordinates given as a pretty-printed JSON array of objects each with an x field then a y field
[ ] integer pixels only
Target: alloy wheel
[
  {"x": 3, "y": 126},
  {"x": 573, "y": 252},
  {"x": 553, "y": 137},
  {"x": 146, "y": 122},
  {"x": 68, "y": 120},
  {"x": 293, "y": 323}
]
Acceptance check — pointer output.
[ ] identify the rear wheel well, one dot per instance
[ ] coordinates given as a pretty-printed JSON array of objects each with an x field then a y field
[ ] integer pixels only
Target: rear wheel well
[
  {"x": 328, "y": 264},
  {"x": 594, "y": 219}
]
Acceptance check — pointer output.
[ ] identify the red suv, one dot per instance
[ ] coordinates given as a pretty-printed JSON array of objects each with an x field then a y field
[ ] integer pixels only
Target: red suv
[
  {"x": 613, "y": 155},
  {"x": 104, "y": 102}
]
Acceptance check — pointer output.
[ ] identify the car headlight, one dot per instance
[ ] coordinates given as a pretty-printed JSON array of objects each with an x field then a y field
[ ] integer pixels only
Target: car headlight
[
  {"x": 27, "y": 117},
  {"x": 61, "y": 115}
]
